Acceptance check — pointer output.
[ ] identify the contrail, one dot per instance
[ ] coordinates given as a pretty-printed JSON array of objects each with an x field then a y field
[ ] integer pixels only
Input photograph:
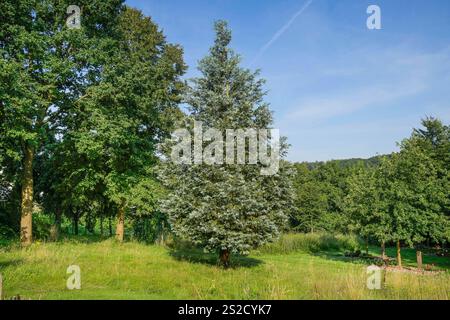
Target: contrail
[{"x": 281, "y": 31}]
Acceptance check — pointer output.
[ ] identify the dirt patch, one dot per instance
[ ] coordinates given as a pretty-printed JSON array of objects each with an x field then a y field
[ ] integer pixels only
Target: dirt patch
[{"x": 413, "y": 270}]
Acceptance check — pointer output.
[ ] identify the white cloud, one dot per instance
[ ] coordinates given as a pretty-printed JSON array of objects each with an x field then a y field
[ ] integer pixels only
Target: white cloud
[
  {"x": 326, "y": 107},
  {"x": 386, "y": 77}
]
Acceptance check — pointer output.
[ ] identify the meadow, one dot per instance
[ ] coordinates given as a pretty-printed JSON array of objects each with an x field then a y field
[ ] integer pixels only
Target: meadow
[{"x": 295, "y": 267}]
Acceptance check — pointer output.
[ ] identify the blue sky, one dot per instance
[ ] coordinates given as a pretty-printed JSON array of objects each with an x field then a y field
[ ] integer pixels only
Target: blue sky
[{"x": 337, "y": 89}]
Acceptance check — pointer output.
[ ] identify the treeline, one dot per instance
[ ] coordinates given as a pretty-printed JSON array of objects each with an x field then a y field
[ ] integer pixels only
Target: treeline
[
  {"x": 82, "y": 112},
  {"x": 402, "y": 198},
  {"x": 321, "y": 188},
  {"x": 84, "y": 119},
  {"x": 84, "y": 124}
]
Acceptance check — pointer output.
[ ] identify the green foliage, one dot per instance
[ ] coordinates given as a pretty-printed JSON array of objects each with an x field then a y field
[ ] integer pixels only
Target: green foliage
[
  {"x": 312, "y": 243},
  {"x": 421, "y": 185},
  {"x": 6, "y": 232},
  {"x": 151, "y": 229},
  {"x": 406, "y": 197},
  {"x": 367, "y": 205},
  {"x": 94, "y": 106},
  {"x": 45, "y": 68},
  {"x": 125, "y": 116},
  {"x": 320, "y": 192},
  {"x": 223, "y": 206},
  {"x": 403, "y": 196},
  {"x": 41, "y": 226},
  {"x": 92, "y": 103},
  {"x": 9, "y": 208}
]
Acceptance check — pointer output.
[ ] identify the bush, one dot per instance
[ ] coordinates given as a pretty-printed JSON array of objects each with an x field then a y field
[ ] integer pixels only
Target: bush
[
  {"x": 312, "y": 243},
  {"x": 41, "y": 226},
  {"x": 6, "y": 232},
  {"x": 151, "y": 229}
]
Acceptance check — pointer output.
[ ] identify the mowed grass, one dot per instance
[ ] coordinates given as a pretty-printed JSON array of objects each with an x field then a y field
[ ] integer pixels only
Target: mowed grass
[{"x": 137, "y": 271}]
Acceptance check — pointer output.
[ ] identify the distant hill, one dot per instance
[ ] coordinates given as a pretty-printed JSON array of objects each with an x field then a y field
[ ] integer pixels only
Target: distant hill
[{"x": 345, "y": 163}]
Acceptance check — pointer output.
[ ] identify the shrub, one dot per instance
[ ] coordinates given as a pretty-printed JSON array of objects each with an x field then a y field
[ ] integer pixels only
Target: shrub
[
  {"x": 41, "y": 226},
  {"x": 6, "y": 232},
  {"x": 151, "y": 229},
  {"x": 312, "y": 243}
]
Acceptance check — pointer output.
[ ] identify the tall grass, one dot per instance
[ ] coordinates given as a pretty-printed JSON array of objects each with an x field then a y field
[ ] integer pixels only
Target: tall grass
[
  {"x": 137, "y": 271},
  {"x": 311, "y": 243}
]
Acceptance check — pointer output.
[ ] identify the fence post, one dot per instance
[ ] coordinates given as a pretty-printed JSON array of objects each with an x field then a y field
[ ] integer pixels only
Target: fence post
[
  {"x": 1, "y": 287},
  {"x": 419, "y": 260}
]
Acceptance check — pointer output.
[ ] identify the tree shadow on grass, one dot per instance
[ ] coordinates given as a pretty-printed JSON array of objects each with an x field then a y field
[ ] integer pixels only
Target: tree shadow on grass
[
  {"x": 362, "y": 258},
  {"x": 193, "y": 255},
  {"x": 408, "y": 257},
  {"x": 10, "y": 263},
  {"x": 85, "y": 239},
  {"x": 339, "y": 256}
]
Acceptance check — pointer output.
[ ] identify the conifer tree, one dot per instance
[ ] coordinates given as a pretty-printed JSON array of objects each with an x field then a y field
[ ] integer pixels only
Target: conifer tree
[{"x": 227, "y": 208}]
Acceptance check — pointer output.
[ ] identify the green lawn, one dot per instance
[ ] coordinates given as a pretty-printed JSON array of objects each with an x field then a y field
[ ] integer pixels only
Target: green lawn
[{"x": 138, "y": 271}]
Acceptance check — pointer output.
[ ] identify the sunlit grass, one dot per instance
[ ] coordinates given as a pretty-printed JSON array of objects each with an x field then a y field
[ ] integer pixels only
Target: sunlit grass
[{"x": 136, "y": 271}]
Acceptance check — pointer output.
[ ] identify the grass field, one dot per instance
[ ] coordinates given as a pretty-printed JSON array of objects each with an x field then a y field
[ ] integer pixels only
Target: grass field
[{"x": 137, "y": 271}]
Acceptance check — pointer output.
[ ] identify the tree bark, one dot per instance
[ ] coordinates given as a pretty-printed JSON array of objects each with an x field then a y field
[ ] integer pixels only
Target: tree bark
[
  {"x": 56, "y": 228},
  {"x": 399, "y": 255},
  {"x": 419, "y": 260},
  {"x": 26, "y": 219},
  {"x": 367, "y": 246},
  {"x": 75, "y": 223},
  {"x": 120, "y": 228},
  {"x": 383, "y": 250},
  {"x": 162, "y": 233},
  {"x": 224, "y": 258},
  {"x": 1, "y": 287},
  {"x": 110, "y": 227}
]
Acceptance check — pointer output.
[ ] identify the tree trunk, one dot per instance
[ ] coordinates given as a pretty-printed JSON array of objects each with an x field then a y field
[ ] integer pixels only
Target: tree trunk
[
  {"x": 75, "y": 224},
  {"x": 1, "y": 287},
  {"x": 367, "y": 246},
  {"x": 162, "y": 233},
  {"x": 383, "y": 250},
  {"x": 399, "y": 255},
  {"x": 419, "y": 259},
  {"x": 56, "y": 228},
  {"x": 224, "y": 258},
  {"x": 26, "y": 219},
  {"x": 120, "y": 228},
  {"x": 110, "y": 226}
]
